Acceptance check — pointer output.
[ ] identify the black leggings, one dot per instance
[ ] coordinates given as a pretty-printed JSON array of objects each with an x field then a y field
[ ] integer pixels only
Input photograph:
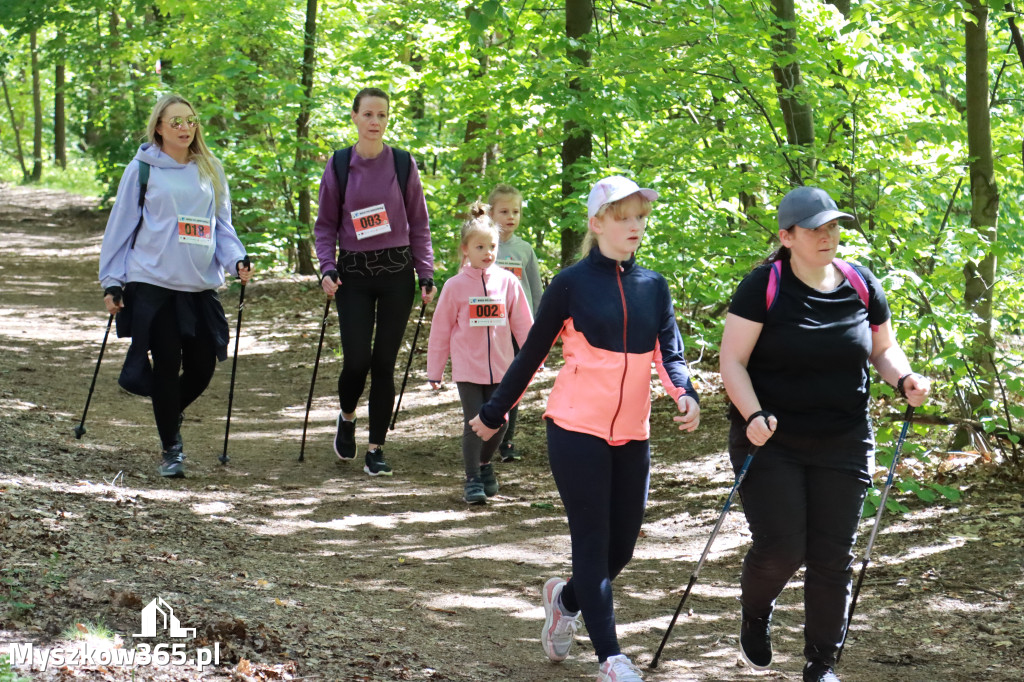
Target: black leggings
[
  {"x": 182, "y": 368},
  {"x": 366, "y": 305},
  {"x": 604, "y": 490}
]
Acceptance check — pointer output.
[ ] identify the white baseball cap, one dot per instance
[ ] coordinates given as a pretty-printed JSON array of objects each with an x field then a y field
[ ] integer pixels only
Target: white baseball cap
[{"x": 612, "y": 189}]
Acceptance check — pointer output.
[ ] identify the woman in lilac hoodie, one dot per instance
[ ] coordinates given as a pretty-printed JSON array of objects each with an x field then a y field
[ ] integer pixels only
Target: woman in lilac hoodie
[
  {"x": 478, "y": 312},
  {"x": 167, "y": 244},
  {"x": 379, "y": 217}
]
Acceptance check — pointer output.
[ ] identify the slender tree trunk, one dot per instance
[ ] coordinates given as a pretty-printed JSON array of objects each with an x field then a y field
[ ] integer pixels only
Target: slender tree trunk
[
  {"x": 577, "y": 143},
  {"x": 60, "y": 151},
  {"x": 37, "y": 110},
  {"x": 980, "y": 274},
  {"x": 303, "y": 249},
  {"x": 475, "y": 165},
  {"x": 796, "y": 112},
  {"x": 18, "y": 149}
]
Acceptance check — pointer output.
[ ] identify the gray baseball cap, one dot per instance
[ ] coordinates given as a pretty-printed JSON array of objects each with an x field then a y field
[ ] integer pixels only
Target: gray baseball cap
[{"x": 808, "y": 207}]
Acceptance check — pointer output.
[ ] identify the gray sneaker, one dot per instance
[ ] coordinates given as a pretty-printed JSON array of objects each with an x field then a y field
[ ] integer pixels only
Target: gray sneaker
[
  {"x": 173, "y": 464},
  {"x": 489, "y": 480},
  {"x": 375, "y": 464},
  {"x": 474, "y": 492}
]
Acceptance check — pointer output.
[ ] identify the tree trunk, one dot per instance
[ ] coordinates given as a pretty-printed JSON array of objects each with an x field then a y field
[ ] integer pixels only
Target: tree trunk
[
  {"x": 60, "y": 151},
  {"x": 980, "y": 274},
  {"x": 302, "y": 241},
  {"x": 37, "y": 111},
  {"x": 476, "y": 164},
  {"x": 18, "y": 149},
  {"x": 577, "y": 142},
  {"x": 797, "y": 113}
]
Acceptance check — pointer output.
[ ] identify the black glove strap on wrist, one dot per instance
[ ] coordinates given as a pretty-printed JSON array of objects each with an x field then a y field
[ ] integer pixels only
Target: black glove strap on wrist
[{"x": 759, "y": 413}]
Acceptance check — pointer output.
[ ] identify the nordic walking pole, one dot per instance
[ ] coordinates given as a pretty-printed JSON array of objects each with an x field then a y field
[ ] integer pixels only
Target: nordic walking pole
[
  {"x": 412, "y": 349},
  {"x": 707, "y": 548},
  {"x": 224, "y": 459},
  {"x": 907, "y": 418},
  {"x": 80, "y": 428},
  {"x": 316, "y": 365}
]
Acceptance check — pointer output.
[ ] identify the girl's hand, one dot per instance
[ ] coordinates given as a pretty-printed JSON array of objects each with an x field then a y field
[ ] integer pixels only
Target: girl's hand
[
  {"x": 690, "y": 419},
  {"x": 436, "y": 385},
  {"x": 762, "y": 428},
  {"x": 480, "y": 429},
  {"x": 917, "y": 388}
]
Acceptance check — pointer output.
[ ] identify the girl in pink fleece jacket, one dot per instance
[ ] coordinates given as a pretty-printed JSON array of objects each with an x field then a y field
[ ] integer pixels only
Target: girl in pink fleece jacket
[{"x": 478, "y": 311}]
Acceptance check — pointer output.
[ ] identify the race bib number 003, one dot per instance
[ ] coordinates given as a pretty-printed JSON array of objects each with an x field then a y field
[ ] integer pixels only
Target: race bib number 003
[
  {"x": 513, "y": 265},
  {"x": 371, "y": 221},
  {"x": 195, "y": 230},
  {"x": 487, "y": 311}
]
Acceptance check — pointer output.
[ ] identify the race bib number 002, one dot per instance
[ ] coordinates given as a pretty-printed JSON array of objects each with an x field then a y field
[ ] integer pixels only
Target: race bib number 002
[
  {"x": 195, "y": 230},
  {"x": 487, "y": 311},
  {"x": 513, "y": 265},
  {"x": 371, "y": 221}
]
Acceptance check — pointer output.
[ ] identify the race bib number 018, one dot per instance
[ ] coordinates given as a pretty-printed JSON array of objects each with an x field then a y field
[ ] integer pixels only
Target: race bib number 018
[
  {"x": 487, "y": 311},
  {"x": 513, "y": 265},
  {"x": 195, "y": 230},
  {"x": 371, "y": 221}
]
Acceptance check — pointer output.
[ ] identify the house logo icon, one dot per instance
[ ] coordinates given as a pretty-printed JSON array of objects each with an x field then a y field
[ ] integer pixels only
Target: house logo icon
[{"x": 169, "y": 620}]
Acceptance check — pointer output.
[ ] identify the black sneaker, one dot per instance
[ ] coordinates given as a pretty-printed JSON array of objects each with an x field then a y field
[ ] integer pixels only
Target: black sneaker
[
  {"x": 173, "y": 464},
  {"x": 509, "y": 453},
  {"x": 756, "y": 641},
  {"x": 375, "y": 464},
  {"x": 816, "y": 671},
  {"x": 489, "y": 480},
  {"x": 473, "y": 492},
  {"x": 345, "y": 439}
]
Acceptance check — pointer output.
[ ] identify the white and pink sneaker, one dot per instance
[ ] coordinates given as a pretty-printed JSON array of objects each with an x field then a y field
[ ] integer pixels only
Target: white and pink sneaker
[{"x": 559, "y": 628}]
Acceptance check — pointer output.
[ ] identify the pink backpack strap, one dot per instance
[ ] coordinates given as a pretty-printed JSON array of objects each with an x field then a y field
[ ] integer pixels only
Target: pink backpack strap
[
  {"x": 856, "y": 280},
  {"x": 774, "y": 275}
]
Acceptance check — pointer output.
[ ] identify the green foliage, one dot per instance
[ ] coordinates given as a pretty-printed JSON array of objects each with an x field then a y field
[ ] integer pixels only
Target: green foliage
[
  {"x": 12, "y": 592},
  {"x": 679, "y": 94},
  {"x": 7, "y": 674}
]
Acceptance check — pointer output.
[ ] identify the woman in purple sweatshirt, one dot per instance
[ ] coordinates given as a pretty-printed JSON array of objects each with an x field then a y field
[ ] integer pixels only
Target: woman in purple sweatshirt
[{"x": 384, "y": 235}]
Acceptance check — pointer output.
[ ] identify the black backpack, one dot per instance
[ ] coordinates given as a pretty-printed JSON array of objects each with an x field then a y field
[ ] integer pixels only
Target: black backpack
[{"x": 342, "y": 158}]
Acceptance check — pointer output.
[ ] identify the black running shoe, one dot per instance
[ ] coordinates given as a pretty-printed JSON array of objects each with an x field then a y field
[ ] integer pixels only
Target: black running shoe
[
  {"x": 375, "y": 464},
  {"x": 756, "y": 641},
  {"x": 345, "y": 439},
  {"x": 509, "y": 453},
  {"x": 173, "y": 464},
  {"x": 816, "y": 671}
]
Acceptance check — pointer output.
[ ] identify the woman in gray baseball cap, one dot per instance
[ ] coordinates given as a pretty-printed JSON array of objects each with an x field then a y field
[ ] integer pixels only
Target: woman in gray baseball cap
[{"x": 802, "y": 329}]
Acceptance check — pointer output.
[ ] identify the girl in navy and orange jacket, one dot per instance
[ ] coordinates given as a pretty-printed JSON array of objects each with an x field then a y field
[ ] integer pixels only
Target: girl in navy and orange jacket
[{"x": 615, "y": 318}]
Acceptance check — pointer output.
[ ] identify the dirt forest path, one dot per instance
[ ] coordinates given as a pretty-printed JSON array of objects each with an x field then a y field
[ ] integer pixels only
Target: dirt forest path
[{"x": 316, "y": 571}]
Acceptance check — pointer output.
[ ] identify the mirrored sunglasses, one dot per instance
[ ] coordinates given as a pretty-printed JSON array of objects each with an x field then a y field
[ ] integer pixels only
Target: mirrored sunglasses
[{"x": 179, "y": 122}]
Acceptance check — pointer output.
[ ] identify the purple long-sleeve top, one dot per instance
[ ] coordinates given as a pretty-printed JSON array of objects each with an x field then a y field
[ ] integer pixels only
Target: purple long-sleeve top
[{"x": 372, "y": 182}]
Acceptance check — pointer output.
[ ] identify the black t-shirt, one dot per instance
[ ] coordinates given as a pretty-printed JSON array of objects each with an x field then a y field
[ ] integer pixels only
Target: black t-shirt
[{"x": 809, "y": 366}]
